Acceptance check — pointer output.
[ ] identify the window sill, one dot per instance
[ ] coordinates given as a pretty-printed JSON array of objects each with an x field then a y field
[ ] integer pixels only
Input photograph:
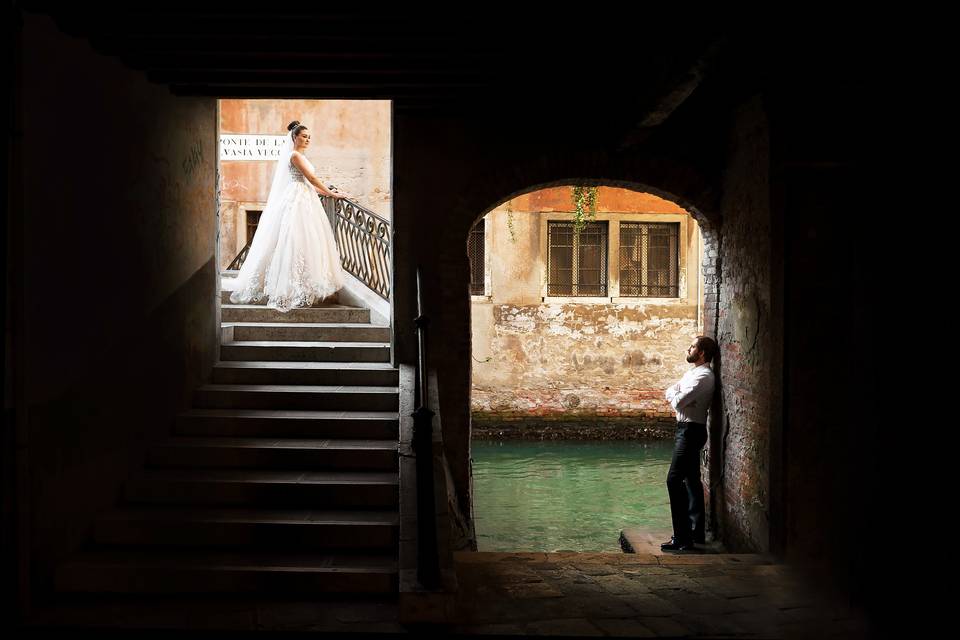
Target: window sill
[
  {"x": 647, "y": 300},
  {"x": 476, "y": 298},
  {"x": 612, "y": 300},
  {"x": 578, "y": 299}
]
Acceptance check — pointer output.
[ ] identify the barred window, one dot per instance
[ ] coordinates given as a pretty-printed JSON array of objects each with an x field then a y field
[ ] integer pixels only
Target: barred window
[
  {"x": 577, "y": 262},
  {"x": 475, "y": 253},
  {"x": 650, "y": 259}
]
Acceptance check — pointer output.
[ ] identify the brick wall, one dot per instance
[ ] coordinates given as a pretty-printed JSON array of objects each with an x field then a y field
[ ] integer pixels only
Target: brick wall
[{"x": 738, "y": 457}]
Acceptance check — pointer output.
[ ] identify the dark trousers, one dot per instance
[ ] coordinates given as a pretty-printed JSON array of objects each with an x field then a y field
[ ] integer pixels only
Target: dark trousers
[{"x": 683, "y": 482}]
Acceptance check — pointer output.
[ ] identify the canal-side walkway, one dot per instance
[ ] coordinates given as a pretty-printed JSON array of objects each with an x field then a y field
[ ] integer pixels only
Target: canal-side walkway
[
  {"x": 644, "y": 595},
  {"x": 640, "y": 595}
]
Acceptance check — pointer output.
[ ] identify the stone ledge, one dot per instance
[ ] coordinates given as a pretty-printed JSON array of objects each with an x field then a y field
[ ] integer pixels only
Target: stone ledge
[{"x": 600, "y": 428}]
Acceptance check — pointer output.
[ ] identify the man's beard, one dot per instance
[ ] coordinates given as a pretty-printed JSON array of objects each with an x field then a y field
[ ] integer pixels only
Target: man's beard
[{"x": 692, "y": 358}]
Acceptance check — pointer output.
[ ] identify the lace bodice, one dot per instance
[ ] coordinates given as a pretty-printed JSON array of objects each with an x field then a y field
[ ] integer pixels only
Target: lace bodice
[{"x": 295, "y": 174}]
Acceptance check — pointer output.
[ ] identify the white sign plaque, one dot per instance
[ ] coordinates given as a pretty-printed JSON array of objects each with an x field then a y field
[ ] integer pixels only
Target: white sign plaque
[{"x": 235, "y": 146}]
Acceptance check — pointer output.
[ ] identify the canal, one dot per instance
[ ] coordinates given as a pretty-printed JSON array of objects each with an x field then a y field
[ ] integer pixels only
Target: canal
[{"x": 568, "y": 495}]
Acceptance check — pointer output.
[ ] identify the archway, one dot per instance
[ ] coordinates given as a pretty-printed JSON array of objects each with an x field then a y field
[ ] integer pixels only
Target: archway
[{"x": 576, "y": 332}]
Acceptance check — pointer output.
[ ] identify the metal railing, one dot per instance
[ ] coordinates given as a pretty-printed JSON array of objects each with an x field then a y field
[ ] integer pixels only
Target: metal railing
[
  {"x": 364, "y": 240},
  {"x": 239, "y": 260},
  {"x": 428, "y": 561}
]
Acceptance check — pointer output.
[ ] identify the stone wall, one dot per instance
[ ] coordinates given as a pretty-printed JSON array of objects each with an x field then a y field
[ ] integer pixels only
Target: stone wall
[{"x": 114, "y": 280}]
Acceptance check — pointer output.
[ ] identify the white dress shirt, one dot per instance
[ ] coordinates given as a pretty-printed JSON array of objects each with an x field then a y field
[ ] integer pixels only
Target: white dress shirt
[{"x": 691, "y": 397}]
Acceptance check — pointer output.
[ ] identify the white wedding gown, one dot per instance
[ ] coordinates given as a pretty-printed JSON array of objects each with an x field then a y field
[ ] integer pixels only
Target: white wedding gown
[{"x": 293, "y": 260}]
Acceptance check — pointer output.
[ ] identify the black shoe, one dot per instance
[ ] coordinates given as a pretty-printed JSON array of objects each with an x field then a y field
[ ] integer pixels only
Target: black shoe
[{"x": 674, "y": 545}]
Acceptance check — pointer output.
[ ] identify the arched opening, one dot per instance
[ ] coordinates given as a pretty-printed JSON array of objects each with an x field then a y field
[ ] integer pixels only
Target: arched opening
[
  {"x": 577, "y": 329},
  {"x": 350, "y": 148}
]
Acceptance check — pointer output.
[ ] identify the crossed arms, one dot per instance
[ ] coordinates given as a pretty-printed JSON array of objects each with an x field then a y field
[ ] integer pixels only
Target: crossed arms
[{"x": 691, "y": 391}]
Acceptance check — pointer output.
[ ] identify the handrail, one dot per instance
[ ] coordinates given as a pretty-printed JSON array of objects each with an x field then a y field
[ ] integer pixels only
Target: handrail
[
  {"x": 241, "y": 257},
  {"x": 363, "y": 238},
  {"x": 428, "y": 561}
]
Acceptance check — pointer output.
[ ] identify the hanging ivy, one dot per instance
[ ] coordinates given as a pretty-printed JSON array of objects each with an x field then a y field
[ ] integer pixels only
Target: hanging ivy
[{"x": 584, "y": 206}]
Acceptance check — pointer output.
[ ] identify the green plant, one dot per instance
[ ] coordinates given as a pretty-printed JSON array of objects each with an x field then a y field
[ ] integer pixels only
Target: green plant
[
  {"x": 584, "y": 206},
  {"x": 513, "y": 232}
]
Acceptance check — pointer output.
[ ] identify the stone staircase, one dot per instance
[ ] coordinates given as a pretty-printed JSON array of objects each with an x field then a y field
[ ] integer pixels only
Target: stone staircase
[{"x": 282, "y": 478}]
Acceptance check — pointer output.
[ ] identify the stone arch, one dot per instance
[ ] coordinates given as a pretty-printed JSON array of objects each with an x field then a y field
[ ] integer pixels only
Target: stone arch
[
  {"x": 679, "y": 182},
  {"x": 676, "y": 182}
]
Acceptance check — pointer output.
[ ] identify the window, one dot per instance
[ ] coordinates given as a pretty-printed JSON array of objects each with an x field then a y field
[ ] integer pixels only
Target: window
[
  {"x": 475, "y": 253},
  {"x": 253, "y": 220},
  {"x": 649, "y": 259},
  {"x": 577, "y": 262}
]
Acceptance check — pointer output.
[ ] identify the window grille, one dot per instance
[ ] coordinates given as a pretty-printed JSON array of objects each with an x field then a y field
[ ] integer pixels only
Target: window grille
[
  {"x": 253, "y": 220},
  {"x": 650, "y": 259},
  {"x": 577, "y": 262},
  {"x": 475, "y": 253}
]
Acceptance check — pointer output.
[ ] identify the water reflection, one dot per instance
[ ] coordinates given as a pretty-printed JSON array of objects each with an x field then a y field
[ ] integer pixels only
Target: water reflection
[{"x": 551, "y": 496}]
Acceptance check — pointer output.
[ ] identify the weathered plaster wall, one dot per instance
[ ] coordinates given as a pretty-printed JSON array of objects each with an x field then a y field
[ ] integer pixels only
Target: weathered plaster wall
[
  {"x": 578, "y": 360},
  {"x": 114, "y": 280},
  {"x": 610, "y": 200},
  {"x": 350, "y": 148}
]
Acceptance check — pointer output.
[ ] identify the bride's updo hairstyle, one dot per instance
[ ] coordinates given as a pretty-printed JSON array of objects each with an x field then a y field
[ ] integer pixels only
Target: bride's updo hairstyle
[{"x": 295, "y": 128}]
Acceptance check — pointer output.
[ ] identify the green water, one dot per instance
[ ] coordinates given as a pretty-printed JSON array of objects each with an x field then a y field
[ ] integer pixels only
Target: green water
[{"x": 575, "y": 496}]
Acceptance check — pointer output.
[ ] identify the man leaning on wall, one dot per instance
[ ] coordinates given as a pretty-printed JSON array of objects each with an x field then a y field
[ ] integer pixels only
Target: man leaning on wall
[{"x": 690, "y": 399}]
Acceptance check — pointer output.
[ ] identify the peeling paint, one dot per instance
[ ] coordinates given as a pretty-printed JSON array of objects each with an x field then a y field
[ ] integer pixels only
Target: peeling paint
[{"x": 615, "y": 359}]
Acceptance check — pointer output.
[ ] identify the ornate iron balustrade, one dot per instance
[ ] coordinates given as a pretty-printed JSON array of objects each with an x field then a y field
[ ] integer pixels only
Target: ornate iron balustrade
[
  {"x": 239, "y": 260},
  {"x": 364, "y": 240}
]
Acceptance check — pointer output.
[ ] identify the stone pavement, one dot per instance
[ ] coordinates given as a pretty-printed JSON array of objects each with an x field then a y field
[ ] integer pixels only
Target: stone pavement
[{"x": 643, "y": 595}]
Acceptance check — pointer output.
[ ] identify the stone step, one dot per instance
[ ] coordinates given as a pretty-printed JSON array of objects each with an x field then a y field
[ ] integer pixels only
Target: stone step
[
  {"x": 321, "y": 312},
  {"x": 273, "y": 453},
  {"x": 264, "y": 528},
  {"x": 229, "y": 284},
  {"x": 289, "y": 351},
  {"x": 332, "y": 302},
  {"x": 310, "y": 331},
  {"x": 294, "y": 488},
  {"x": 308, "y": 373},
  {"x": 302, "y": 397},
  {"x": 288, "y": 424},
  {"x": 200, "y": 571}
]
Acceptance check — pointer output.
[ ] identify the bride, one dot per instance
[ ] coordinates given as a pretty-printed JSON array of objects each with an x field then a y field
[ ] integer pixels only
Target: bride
[{"x": 293, "y": 260}]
